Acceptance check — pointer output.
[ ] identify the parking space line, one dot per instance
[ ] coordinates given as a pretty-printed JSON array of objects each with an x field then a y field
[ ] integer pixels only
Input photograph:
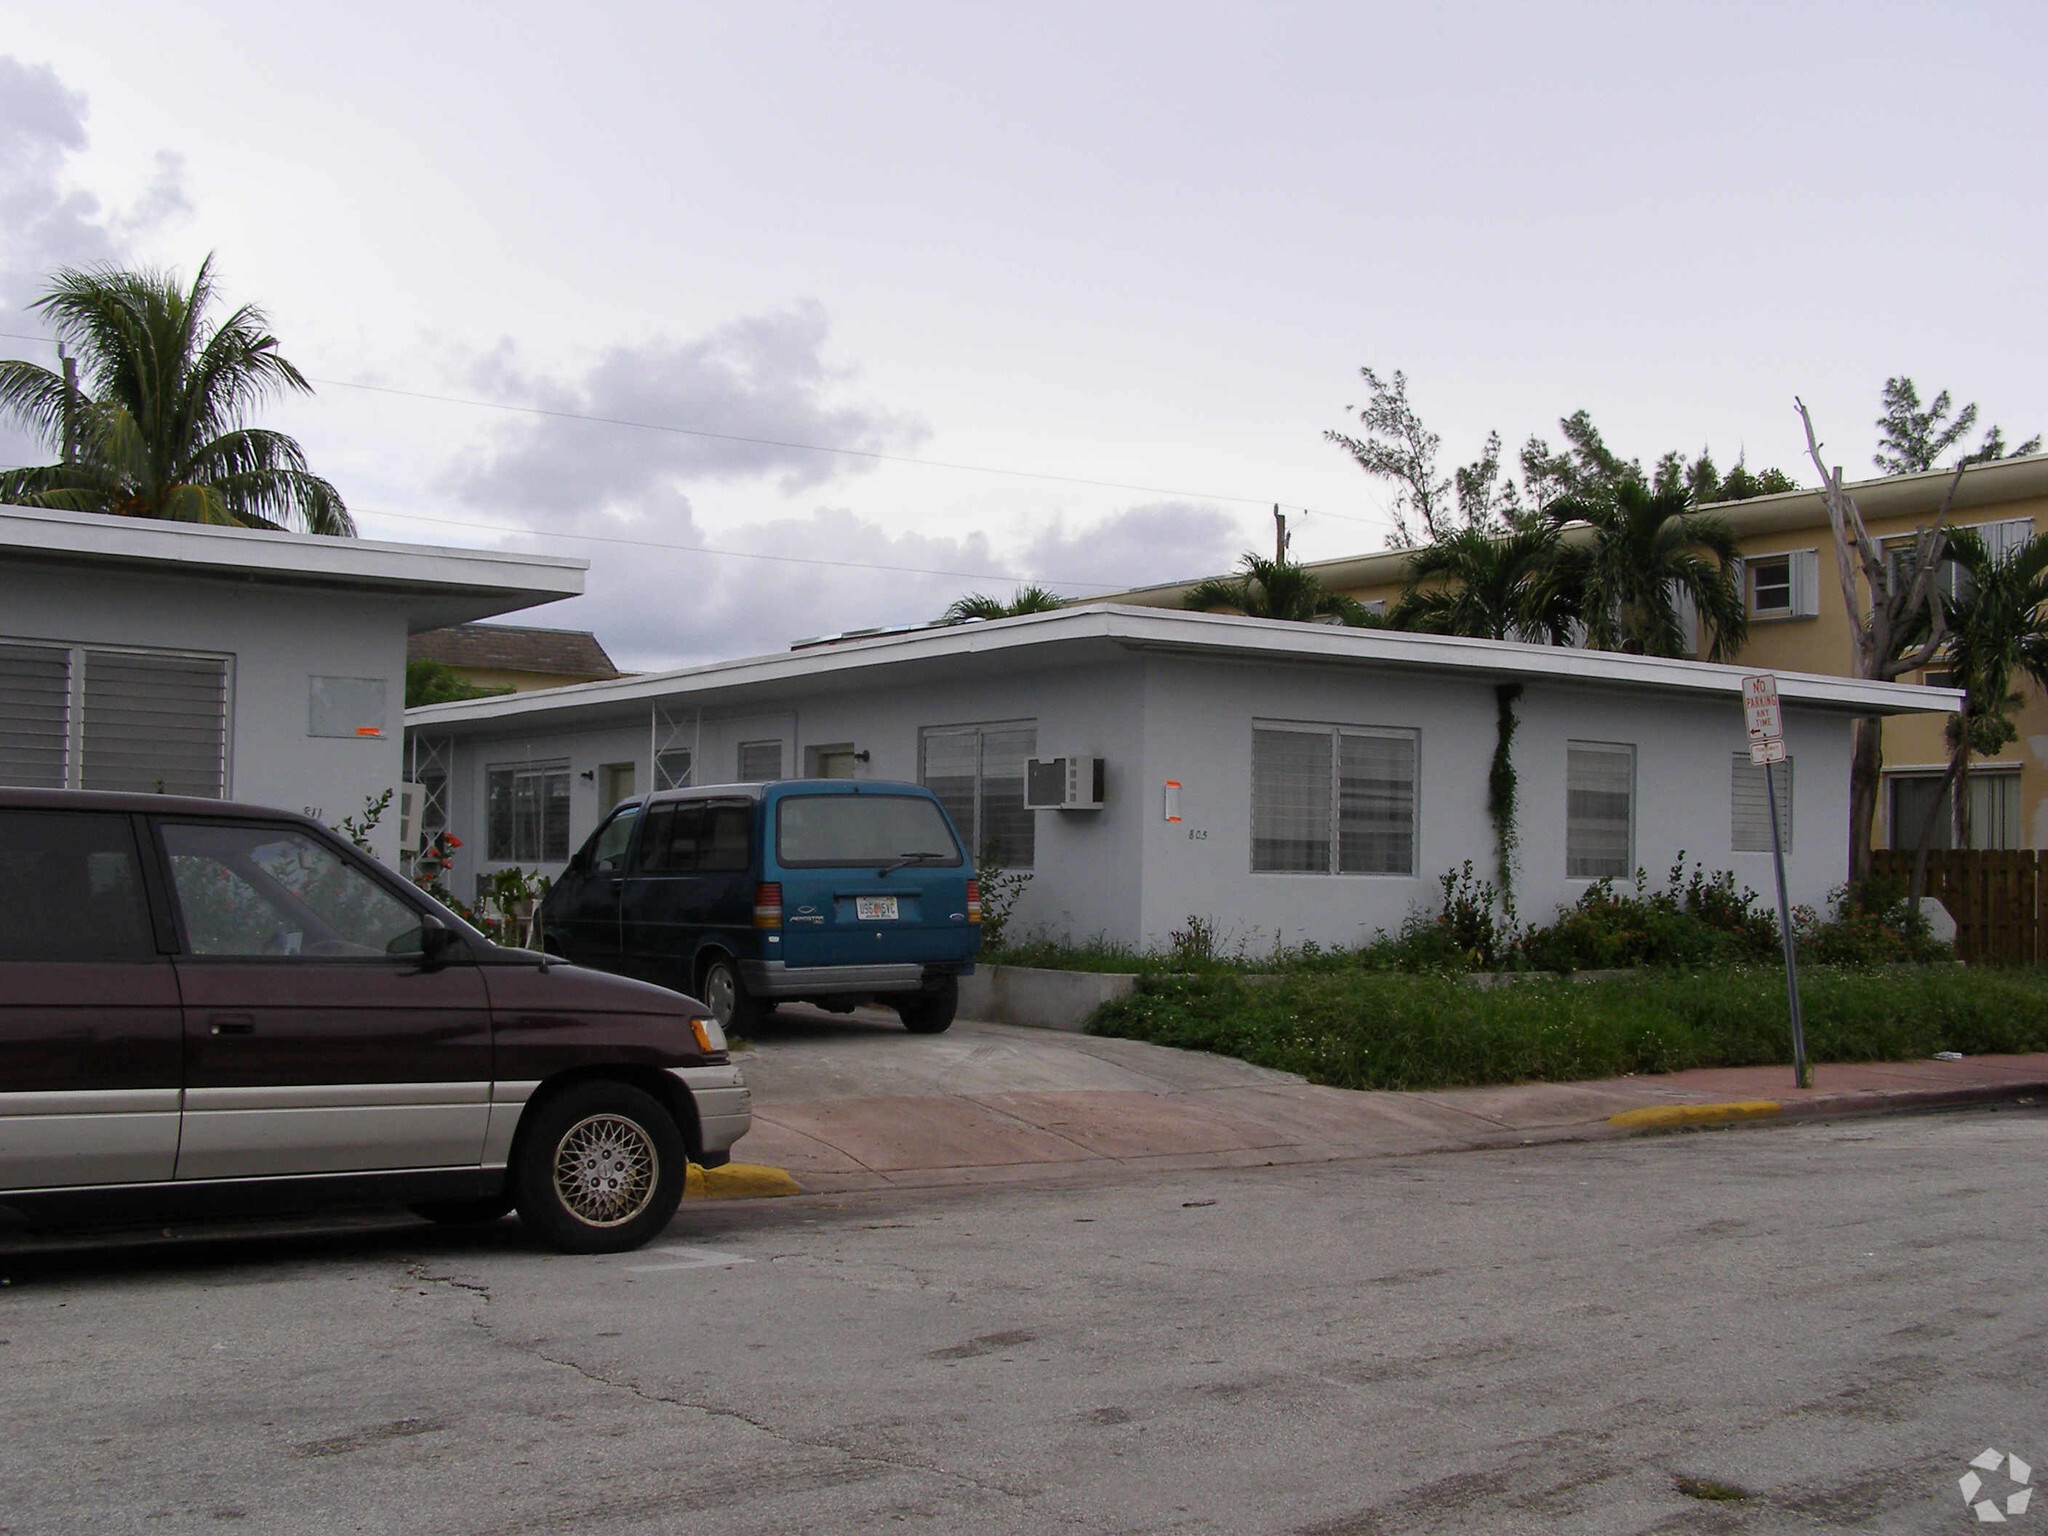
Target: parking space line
[{"x": 692, "y": 1258}]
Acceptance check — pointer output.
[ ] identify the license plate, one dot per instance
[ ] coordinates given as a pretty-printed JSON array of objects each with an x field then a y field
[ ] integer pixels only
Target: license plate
[{"x": 875, "y": 909}]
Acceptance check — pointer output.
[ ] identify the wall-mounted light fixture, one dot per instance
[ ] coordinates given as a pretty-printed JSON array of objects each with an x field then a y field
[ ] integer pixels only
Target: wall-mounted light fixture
[
  {"x": 588, "y": 773},
  {"x": 861, "y": 756}
]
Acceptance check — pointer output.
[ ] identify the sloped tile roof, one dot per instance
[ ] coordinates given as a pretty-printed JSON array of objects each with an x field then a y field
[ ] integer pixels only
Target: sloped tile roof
[{"x": 514, "y": 648}]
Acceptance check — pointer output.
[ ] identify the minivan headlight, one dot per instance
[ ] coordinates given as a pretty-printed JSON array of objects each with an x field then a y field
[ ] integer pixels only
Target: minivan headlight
[{"x": 709, "y": 1037}]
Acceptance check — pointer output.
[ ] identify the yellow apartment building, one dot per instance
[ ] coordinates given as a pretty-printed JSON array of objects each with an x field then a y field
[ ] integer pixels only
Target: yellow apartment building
[{"x": 1798, "y": 624}]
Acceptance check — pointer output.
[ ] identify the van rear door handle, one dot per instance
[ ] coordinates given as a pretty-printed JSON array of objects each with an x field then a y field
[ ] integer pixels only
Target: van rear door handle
[{"x": 232, "y": 1023}]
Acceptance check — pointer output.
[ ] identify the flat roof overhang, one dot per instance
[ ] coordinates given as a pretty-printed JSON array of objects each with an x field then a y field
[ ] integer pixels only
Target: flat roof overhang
[
  {"x": 440, "y": 586},
  {"x": 1072, "y": 637}
]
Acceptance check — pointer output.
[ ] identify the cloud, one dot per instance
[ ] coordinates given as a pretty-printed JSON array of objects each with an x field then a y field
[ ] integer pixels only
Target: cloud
[
  {"x": 657, "y": 608},
  {"x": 763, "y": 377},
  {"x": 45, "y": 221}
]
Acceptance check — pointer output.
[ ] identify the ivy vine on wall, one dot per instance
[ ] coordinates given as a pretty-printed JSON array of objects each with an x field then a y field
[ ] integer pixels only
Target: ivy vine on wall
[{"x": 1500, "y": 790}]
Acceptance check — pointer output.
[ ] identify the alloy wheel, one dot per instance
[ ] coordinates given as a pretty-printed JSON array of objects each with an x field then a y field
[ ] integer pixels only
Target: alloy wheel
[{"x": 606, "y": 1168}]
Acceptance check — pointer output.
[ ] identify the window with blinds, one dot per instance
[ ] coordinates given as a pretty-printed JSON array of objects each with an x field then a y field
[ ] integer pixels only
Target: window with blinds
[
  {"x": 76, "y": 717},
  {"x": 1333, "y": 800},
  {"x": 1749, "y": 804},
  {"x": 977, "y": 771},
  {"x": 1599, "y": 828},
  {"x": 526, "y": 814},
  {"x": 760, "y": 761}
]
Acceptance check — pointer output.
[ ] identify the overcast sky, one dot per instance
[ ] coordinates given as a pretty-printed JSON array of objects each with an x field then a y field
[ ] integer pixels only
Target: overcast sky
[{"x": 1148, "y": 245}]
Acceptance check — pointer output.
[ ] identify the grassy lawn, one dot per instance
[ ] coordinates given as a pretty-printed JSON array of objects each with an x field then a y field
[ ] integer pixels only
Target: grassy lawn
[{"x": 1379, "y": 1029}]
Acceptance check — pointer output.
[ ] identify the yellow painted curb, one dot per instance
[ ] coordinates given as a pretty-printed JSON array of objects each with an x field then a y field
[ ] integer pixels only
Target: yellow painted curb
[
  {"x": 737, "y": 1181},
  {"x": 1663, "y": 1116}
]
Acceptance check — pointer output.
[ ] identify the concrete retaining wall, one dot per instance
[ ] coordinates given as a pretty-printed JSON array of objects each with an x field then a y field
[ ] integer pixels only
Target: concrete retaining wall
[{"x": 1038, "y": 999}]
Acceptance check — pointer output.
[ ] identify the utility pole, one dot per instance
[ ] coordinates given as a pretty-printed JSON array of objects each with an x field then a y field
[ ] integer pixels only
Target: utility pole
[
  {"x": 1279, "y": 536},
  {"x": 70, "y": 399}
]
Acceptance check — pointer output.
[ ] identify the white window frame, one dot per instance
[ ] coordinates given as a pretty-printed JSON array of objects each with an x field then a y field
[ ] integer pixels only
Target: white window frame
[
  {"x": 1335, "y": 735},
  {"x": 977, "y": 834},
  {"x": 543, "y": 771},
  {"x": 1612, "y": 748},
  {"x": 1801, "y": 584}
]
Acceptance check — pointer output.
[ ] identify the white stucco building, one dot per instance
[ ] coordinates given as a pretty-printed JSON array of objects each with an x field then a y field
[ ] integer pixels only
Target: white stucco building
[
  {"x": 227, "y": 662},
  {"x": 1327, "y": 777}
]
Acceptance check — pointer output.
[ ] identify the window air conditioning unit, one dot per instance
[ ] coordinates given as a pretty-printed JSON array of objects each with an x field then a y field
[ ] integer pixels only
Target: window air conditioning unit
[{"x": 1063, "y": 784}]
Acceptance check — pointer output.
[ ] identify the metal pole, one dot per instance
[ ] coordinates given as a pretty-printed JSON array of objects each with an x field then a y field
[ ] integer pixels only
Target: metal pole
[
  {"x": 1802, "y": 1074},
  {"x": 70, "y": 401}
]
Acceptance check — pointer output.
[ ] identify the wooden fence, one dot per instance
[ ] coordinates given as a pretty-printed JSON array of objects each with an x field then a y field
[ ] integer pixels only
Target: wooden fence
[{"x": 1998, "y": 899}]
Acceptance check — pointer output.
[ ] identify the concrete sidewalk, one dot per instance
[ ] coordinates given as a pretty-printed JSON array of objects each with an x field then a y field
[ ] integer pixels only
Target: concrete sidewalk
[{"x": 855, "y": 1104}]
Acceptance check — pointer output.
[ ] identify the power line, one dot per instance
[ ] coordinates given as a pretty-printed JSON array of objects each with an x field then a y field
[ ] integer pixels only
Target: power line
[
  {"x": 741, "y": 554},
  {"x": 774, "y": 442}
]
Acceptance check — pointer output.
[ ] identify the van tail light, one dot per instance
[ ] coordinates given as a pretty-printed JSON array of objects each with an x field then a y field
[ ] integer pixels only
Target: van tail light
[
  {"x": 768, "y": 904},
  {"x": 974, "y": 901}
]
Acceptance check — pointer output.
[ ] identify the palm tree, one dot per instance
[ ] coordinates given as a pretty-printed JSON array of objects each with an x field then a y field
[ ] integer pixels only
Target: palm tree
[
  {"x": 157, "y": 430},
  {"x": 1997, "y": 633},
  {"x": 1272, "y": 589},
  {"x": 1489, "y": 587},
  {"x": 979, "y": 605},
  {"x": 1647, "y": 551}
]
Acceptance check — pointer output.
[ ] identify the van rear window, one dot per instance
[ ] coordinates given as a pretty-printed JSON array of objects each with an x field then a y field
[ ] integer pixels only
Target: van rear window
[{"x": 851, "y": 830}]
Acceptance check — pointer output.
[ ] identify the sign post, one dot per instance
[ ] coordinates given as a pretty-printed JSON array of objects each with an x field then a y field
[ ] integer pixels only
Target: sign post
[{"x": 1766, "y": 749}]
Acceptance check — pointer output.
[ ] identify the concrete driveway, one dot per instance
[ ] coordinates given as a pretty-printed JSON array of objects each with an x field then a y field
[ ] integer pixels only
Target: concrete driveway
[{"x": 851, "y": 1102}]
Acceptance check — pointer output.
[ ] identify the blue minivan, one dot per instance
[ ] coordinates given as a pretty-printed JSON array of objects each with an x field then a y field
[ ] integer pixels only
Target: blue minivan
[{"x": 821, "y": 891}]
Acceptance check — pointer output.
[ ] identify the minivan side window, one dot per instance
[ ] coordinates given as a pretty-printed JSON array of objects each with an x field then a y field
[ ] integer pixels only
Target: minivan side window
[
  {"x": 726, "y": 844},
  {"x": 256, "y": 890},
  {"x": 608, "y": 853},
  {"x": 71, "y": 888},
  {"x": 669, "y": 845}
]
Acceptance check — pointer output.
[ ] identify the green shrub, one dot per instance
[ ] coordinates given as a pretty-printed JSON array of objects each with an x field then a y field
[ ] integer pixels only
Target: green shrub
[
  {"x": 1700, "y": 918},
  {"x": 1363, "y": 1029}
]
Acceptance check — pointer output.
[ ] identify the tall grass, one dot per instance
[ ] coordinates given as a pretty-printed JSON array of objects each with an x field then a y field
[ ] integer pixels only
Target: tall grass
[{"x": 1361, "y": 1029}]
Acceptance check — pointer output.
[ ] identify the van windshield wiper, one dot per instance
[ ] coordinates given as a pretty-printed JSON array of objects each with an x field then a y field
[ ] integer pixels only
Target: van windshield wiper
[{"x": 904, "y": 859}]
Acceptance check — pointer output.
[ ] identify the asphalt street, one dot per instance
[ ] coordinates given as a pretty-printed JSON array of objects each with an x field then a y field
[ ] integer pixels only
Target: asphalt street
[{"x": 1831, "y": 1317}]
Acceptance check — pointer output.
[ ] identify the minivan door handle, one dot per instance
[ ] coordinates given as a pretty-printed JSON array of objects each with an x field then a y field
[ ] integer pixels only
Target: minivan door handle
[{"x": 232, "y": 1023}]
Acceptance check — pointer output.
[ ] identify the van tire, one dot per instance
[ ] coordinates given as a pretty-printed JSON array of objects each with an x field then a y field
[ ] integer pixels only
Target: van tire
[
  {"x": 723, "y": 989},
  {"x": 930, "y": 1010},
  {"x": 562, "y": 1174}
]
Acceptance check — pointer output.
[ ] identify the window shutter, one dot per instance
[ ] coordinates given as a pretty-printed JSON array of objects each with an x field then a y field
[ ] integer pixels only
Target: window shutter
[
  {"x": 1599, "y": 834},
  {"x": 760, "y": 761},
  {"x": 1749, "y": 805},
  {"x": 1805, "y": 583},
  {"x": 2004, "y": 538},
  {"x": 155, "y": 724},
  {"x": 35, "y": 715}
]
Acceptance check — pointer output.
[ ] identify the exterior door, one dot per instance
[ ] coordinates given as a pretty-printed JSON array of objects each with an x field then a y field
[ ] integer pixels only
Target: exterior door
[
  {"x": 90, "y": 1066},
  {"x": 315, "y": 1039},
  {"x": 586, "y": 916}
]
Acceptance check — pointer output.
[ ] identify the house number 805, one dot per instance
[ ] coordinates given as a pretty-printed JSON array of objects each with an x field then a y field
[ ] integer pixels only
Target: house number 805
[{"x": 1198, "y": 834}]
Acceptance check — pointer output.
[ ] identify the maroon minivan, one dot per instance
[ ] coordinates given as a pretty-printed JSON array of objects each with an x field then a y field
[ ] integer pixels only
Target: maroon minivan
[{"x": 209, "y": 1008}]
